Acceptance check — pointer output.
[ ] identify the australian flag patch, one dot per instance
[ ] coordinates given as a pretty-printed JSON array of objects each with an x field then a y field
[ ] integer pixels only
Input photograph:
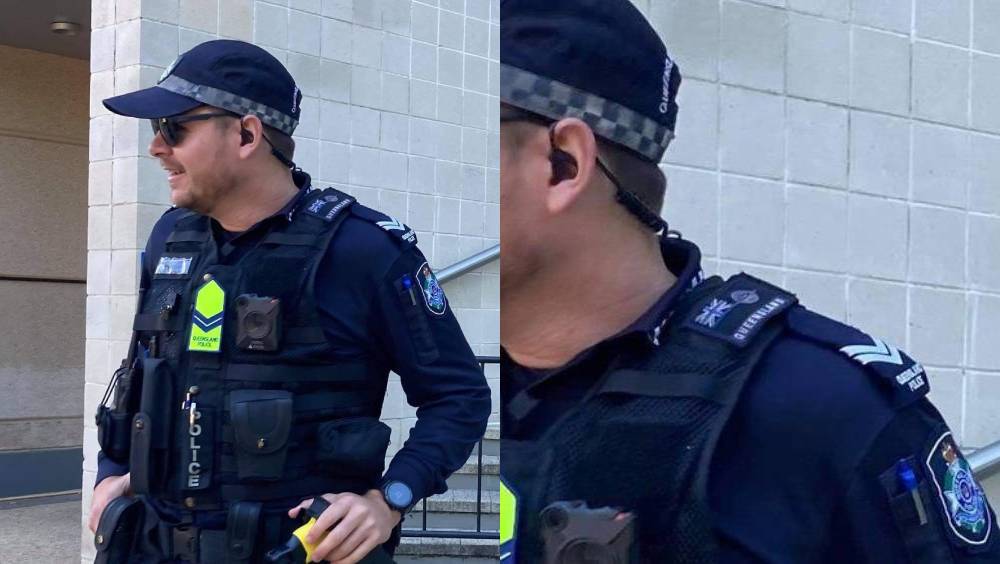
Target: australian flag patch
[{"x": 739, "y": 309}]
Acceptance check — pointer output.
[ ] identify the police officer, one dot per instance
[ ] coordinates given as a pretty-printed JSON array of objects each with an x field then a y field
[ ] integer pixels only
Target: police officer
[
  {"x": 271, "y": 313},
  {"x": 722, "y": 419}
]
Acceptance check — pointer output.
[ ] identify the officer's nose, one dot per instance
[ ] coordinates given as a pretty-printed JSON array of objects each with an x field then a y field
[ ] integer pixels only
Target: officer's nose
[{"x": 158, "y": 146}]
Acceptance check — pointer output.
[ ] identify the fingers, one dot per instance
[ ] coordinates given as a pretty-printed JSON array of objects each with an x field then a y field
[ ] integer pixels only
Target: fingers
[
  {"x": 354, "y": 529},
  {"x": 350, "y": 521},
  {"x": 338, "y": 509},
  {"x": 360, "y": 552}
]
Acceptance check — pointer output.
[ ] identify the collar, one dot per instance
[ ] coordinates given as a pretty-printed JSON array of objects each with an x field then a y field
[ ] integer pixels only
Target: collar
[
  {"x": 683, "y": 260},
  {"x": 302, "y": 180}
]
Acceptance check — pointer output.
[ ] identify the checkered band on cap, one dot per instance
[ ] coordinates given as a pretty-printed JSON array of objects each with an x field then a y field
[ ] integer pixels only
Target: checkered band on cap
[
  {"x": 610, "y": 120},
  {"x": 228, "y": 101}
]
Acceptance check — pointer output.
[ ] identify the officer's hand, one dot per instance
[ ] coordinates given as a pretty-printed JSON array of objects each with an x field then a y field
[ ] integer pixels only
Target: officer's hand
[
  {"x": 362, "y": 523},
  {"x": 109, "y": 488}
]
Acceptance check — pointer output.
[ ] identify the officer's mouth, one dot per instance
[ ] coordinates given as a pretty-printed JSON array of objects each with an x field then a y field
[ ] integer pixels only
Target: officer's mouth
[{"x": 173, "y": 174}]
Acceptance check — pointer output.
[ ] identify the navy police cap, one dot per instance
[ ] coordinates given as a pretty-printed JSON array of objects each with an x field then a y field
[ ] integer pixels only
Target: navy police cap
[
  {"x": 597, "y": 60},
  {"x": 228, "y": 74}
]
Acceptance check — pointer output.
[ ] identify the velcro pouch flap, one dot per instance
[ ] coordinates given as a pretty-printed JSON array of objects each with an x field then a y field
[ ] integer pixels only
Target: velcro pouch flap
[
  {"x": 114, "y": 536},
  {"x": 242, "y": 526},
  {"x": 354, "y": 447},
  {"x": 261, "y": 421}
]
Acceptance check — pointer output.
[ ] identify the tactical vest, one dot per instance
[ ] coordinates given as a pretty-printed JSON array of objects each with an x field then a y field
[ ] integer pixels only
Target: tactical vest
[
  {"x": 223, "y": 419},
  {"x": 642, "y": 439}
]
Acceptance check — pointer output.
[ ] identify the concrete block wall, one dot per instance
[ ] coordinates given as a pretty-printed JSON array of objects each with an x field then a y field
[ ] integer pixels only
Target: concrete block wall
[
  {"x": 400, "y": 109},
  {"x": 850, "y": 150}
]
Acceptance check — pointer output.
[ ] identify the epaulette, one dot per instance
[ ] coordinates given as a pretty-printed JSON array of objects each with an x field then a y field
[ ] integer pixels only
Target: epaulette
[
  {"x": 326, "y": 204},
  {"x": 397, "y": 229},
  {"x": 738, "y": 309},
  {"x": 895, "y": 371}
]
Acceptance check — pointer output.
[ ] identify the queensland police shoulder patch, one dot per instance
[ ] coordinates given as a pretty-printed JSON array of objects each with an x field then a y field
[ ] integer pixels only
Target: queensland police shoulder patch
[
  {"x": 739, "y": 309},
  {"x": 431, "y": 289},
  {"x": 961, "y": 497}
]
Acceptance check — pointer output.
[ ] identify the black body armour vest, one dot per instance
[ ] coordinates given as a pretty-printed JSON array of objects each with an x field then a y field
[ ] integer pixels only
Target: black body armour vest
[
  {"x": 267, "y": 419},
  {"x": 642, "y": 440}
]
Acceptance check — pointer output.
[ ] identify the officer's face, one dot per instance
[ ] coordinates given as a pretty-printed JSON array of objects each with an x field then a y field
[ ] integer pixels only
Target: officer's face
[
  {"x": 524, "y": 174},
  {"x": 197, "y": 166}
]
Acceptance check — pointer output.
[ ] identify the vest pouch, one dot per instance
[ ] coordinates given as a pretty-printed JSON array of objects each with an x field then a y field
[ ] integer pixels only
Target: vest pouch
[
  {"x": 151, "y": 441},
  {"x": 261, "y": 420},
  {"x": 113, "y": 433},
  {"x": 353, "y": 447},
  {"x": 117, "y": 530}
]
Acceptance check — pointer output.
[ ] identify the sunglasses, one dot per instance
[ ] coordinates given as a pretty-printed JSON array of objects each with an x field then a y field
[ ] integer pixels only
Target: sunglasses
[{"x": 171, "y": 127}]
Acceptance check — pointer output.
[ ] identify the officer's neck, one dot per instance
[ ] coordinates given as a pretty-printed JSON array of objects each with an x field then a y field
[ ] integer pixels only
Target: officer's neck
[
  {"x": 253, "y": 199},
  {"x": 593, "y": 295}
]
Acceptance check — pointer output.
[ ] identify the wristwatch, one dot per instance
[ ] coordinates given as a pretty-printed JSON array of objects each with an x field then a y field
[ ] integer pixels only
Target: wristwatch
[{"x": 398, "y": 496}]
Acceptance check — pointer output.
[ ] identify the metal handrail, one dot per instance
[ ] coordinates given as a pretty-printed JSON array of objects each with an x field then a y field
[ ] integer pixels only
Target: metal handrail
[
  {"x": 475, "y": 261},
  {"x": 985, "y": 462}
]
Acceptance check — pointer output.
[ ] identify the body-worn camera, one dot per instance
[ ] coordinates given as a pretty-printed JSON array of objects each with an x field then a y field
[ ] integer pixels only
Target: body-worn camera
[
  {"x": 258, "y": 323},
  {"x": 577, "y": 534}
]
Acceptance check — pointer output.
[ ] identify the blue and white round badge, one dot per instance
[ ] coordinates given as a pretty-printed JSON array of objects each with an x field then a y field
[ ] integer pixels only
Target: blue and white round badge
[
  {"x": 431, "y": 290},
  {"x": 961, "y": 497}
]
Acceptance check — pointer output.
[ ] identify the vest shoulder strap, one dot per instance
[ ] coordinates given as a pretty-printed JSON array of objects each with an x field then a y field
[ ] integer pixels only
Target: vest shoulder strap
[
  {"x": 396, "y": 229},
  {"x": 899, "y": 375},
  {"x": 737, "y": 310},
  {"x": 327, "y": 204}
]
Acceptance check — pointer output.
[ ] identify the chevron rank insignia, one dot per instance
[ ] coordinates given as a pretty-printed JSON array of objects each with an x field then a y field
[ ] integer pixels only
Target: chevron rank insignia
[
  {"x": 882, "y": 356},
  {"x": 207, "y": 317},
  {"x": 895, "y": 370},
  {"x": 402, "y": 231}
]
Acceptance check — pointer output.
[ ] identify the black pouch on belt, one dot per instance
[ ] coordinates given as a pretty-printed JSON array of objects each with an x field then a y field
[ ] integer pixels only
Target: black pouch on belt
[
  {"x": 150, "y": 456},
  {"x": 117, "y": 531},
  {"x": 242, "y": 530}
]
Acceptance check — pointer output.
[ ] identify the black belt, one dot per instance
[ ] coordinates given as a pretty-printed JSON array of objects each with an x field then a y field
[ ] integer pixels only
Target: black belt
[
  {"x": 193, "y": 544},
  {"x": 245, "y": 527}
]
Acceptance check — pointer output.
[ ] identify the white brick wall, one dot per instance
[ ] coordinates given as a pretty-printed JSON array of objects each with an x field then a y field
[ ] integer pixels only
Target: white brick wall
[
  {"x": 397, "y": 110},
  {"x": 851, "y": 152}
]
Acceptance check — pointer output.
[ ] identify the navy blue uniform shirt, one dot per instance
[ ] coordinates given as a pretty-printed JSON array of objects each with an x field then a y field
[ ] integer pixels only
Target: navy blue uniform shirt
[
  {"x": 363, "y": 319},
  {"x": 808, "y": 469}
]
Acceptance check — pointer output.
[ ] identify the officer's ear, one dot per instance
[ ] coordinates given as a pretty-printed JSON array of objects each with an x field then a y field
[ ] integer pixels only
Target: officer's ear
[
  {"x": 251, "y": 135},
  {"x": 573, "y": 155}
]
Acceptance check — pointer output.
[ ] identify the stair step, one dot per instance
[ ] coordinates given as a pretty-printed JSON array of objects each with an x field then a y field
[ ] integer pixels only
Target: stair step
[
  {"x": 492, "y": 432},
  {"x": 465, "y": 478},
  {"x": 439, "y": 560},
  {"x": 491, "y": 465},
  {"x": 489, "y": 522},
  {"x": 461, "y": 501},
  {"x": 427, "y": 550}
]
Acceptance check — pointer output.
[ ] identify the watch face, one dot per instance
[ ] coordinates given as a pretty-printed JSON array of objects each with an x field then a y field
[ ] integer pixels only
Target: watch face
[{"x": 399, "y": 494}]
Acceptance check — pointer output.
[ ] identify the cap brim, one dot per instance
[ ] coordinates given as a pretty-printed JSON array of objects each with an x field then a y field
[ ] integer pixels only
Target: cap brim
[{"x": 150, "y": 103}]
